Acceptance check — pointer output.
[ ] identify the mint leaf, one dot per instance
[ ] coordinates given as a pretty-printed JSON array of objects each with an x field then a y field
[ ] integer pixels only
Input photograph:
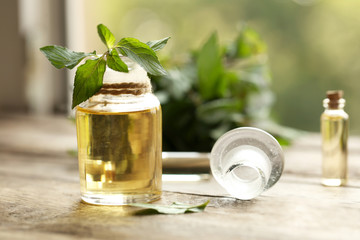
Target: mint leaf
[
  {"x": 62, "y": 57},
  {"x": 88, "y": 80},
  {"x": 115, "y": 63},
  {"x": 174, "y": 208},
  {"x": 157, "y": 45},
  {"x": 142, "y": 54},
  {"x": 106, "y": 36}
]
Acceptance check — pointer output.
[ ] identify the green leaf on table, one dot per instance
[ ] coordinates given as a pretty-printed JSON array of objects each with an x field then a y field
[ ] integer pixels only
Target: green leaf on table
[
  {"x": 174, "y": 208},
  {"x": 157, "y": 45},
  {"x": 62, "y": 57},
  {"x": 106, "y": 36},
  {"x": 88, "y": 80},
  {"x": 142, "y": 54},
  {"x": 115, "y": 63}
]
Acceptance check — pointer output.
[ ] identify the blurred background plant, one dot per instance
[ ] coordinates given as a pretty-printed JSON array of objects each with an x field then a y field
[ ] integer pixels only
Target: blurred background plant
[
  {"x": 218, "y": 88},
  {"x": 312, "y": 45}
]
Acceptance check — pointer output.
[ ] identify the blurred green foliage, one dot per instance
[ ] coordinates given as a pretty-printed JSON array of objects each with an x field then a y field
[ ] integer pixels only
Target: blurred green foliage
[
  {"x": 217, "y": 89},
  {"x": 312, "y": 44}
]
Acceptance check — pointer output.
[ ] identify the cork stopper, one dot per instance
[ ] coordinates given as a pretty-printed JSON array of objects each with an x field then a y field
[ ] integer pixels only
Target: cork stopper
[
  {"x": 334, "y": 95},
  {"x": 334, "y": 99}
]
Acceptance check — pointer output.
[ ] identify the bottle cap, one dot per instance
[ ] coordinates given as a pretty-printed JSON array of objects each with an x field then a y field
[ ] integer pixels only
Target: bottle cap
[
  {"x": 246, "y": 161},
  {"x": 334, "y": 94},
  {"x": 334, "y": 99}
]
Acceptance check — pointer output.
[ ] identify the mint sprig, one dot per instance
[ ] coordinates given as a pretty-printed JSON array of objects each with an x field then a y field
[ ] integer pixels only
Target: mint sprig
[{"x": 89, "y": 76}]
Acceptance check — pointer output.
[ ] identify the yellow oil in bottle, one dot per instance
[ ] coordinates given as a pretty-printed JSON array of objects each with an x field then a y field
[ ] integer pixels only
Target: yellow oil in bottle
[
  {"x": 119, "y": 155},
  {"x": 334, "y": 167},
  {"x": 334, "y": 130}
]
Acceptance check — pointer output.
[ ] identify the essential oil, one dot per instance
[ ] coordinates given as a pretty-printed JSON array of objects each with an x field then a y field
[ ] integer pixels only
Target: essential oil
[
  {"x": 334, "y": 131},
  {"x": 119, "y": 141},
  {"x": 120, "y": 154}
]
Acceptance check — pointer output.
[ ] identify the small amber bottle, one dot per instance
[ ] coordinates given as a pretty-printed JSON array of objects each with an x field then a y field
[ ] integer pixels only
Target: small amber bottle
[{"x": 334, "y": 131}]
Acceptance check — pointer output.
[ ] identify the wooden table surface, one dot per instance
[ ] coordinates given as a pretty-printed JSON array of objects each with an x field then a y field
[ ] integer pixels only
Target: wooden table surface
[{"x": 40, "y": 199}]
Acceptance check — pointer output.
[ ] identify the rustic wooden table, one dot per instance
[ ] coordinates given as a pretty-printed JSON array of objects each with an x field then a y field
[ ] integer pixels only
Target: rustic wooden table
[{"x": 39, "y": 196}]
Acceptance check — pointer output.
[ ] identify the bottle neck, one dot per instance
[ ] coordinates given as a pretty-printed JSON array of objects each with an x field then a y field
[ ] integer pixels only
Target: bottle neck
[
  {"x": 121, "y": 88},
  {"x": 135, "y": 82},
  {"x": 132, "y": 88},
  {"x": 334, "y": 104}
]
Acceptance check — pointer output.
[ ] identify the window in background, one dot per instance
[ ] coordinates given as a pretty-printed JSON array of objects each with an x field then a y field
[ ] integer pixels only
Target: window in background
[
  {"x": 42, "y": 23},
  {"x": 11, "y": 63}
]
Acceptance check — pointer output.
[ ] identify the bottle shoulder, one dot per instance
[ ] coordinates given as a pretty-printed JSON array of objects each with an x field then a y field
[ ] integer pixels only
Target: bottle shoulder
[
  {"x": 334, "y": 114},
  {"x": 124, "y": 103}
]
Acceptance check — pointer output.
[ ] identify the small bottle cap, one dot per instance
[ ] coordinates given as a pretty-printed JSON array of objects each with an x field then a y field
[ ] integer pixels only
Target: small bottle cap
[
  {"x": 334, "y": 94},
  {"x": 334, "y": 99}
]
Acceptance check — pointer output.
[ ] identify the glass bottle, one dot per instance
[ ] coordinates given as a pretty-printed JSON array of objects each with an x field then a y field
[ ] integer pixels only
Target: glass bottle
[
  {"x": 334, "y": 131},
  {"x": 119, "y": 140},
  {"x": 246, "y": 161}
]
